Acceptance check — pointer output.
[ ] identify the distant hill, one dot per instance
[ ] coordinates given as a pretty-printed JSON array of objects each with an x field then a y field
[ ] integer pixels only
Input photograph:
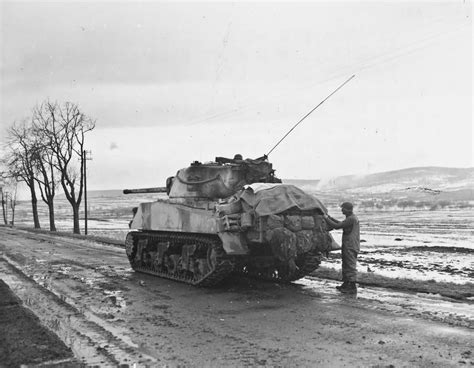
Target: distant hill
[
  {"x": 442, "y": 182},
  {"x": 434, "y": 178}
]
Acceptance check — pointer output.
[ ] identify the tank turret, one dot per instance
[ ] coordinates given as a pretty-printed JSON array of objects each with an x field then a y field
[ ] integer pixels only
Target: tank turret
[
  {"x": 225, "y": 216},
  {"x": 219, "y": 179}
]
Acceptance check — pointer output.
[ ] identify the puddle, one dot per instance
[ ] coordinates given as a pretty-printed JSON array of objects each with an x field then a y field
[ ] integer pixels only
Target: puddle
[{"x": 428, "y": 306}]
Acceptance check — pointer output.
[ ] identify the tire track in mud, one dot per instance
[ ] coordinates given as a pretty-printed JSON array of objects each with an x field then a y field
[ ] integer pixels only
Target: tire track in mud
[
  {"x": 59, "y": 239},
  {"x": 93, "y": 280},
  {"x": 93, "y": 340},
  {"x": 239, "y": 350}
]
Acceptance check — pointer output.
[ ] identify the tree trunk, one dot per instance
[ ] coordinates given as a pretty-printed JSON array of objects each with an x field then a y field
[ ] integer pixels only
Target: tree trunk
[
  {"x": 4, "y": 204},
  {"x": 52, "y": 224},
  {"x": 13, "y": 214},
  {"x": 34, "y": 206},
  {"x": 75, "y": 214}
]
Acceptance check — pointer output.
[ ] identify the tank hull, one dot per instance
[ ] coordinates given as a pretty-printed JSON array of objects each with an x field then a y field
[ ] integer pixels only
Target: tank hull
[
  {"x": 228, "y": 216},
  {"x": 172, "y": 217},
  {"x": 203, "y": 242},
  {"x": 169, "y": 216}
]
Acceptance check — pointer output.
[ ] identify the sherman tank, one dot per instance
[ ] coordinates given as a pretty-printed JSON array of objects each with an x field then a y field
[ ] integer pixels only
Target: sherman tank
[{"x": 227, "y": 216}]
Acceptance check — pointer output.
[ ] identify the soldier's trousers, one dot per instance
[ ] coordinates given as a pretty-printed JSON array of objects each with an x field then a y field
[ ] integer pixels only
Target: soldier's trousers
[{"x": 349, "y": 264}]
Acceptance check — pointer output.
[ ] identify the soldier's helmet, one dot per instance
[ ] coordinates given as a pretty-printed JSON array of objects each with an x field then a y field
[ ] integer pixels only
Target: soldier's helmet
[{"x": 348, "y": 206}]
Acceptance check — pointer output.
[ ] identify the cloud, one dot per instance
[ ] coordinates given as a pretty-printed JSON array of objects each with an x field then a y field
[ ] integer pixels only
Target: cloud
[{"x": 217, "y": 78}]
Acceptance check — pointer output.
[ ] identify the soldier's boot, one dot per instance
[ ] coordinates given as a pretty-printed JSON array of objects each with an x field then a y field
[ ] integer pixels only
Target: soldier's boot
[
  {"x": 343, "y": 285},
  {"x": 351, "y": 288}
]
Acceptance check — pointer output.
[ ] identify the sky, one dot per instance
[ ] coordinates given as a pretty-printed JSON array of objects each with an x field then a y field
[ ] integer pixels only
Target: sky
[{"x": 169, "y": 83}]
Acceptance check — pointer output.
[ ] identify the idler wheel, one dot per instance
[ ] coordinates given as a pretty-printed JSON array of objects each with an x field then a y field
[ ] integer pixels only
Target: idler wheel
[{"x": 130, "y": 247}]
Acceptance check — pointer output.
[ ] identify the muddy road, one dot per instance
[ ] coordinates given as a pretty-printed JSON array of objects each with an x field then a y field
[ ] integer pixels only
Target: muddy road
[{"x": 109, "y": 315}]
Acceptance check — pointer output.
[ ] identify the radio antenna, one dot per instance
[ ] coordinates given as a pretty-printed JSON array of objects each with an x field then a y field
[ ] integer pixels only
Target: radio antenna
[{"x": 304, "y": 117}]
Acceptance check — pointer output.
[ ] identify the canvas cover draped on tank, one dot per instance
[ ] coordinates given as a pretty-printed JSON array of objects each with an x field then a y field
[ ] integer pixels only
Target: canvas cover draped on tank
[{"x": 267, "y": 199}]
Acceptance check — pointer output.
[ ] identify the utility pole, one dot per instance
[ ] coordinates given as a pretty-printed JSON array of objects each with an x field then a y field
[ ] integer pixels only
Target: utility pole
[
  {"x": 85, "y": 158},
  {"x": 1, "y": 195}
]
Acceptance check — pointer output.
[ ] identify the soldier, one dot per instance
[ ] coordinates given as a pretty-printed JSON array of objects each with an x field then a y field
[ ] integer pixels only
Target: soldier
[{"x": 350, "y": 247}]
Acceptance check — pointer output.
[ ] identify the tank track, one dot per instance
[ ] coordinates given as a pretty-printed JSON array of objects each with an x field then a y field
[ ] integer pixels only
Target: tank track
[
  {"x": 306, "y": 264},
  {"x": 221, "y": 267}
]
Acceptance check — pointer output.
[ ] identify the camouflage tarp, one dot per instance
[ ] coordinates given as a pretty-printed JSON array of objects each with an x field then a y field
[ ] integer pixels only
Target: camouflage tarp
[{"x": 267, "y": 199}]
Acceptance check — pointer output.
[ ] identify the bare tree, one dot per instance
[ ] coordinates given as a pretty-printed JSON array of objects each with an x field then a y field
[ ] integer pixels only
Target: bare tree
[
  {"x": 47, "y": 181},
  {"x": 62, "y": 129},
  {"x": 20, "y": 162},
  {"x": 47, "y": 176}
]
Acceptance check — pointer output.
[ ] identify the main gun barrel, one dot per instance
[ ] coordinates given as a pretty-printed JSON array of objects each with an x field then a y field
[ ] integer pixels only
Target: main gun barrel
[{"x": 145, "y": 190}]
